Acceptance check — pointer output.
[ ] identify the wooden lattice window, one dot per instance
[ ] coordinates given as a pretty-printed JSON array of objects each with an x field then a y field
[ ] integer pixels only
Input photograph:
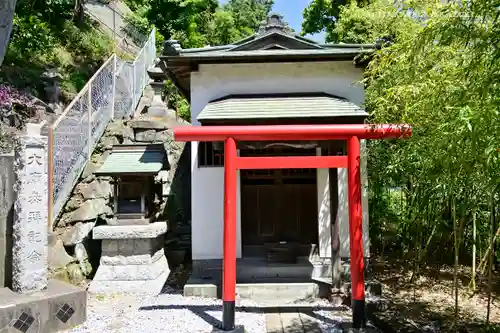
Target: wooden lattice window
[{"x": 211, "y": 154}]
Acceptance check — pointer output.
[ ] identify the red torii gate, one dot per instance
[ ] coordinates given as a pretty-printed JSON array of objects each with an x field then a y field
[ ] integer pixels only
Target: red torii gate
[{"x": 232, "y": 162}]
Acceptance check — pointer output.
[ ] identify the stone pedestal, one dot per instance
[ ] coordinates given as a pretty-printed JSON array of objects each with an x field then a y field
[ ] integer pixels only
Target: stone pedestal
[
  {"x": 132, "y": 259},
  {"x": 157, "y": 107}
]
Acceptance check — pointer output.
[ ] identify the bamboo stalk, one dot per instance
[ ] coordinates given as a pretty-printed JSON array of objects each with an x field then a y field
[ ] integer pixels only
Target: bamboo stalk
[
  {"x": 492, "y": 219},
  {"x": 484, "y": 260},
  {"x": 455, "y": 268},
  {"x": 474, "y": 236}
]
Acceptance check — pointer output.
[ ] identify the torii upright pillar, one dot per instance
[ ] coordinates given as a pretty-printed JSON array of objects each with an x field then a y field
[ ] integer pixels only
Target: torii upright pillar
[
  {"x": 229, "y": 260},
  {"x": 356, "y": 232}
]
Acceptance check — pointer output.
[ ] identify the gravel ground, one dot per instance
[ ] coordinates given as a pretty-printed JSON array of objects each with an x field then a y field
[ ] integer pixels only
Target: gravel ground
[{"x": 173, "y": 313}]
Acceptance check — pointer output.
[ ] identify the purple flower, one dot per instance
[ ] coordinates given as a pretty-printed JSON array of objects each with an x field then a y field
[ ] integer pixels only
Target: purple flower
[{"x": 12, "y": 99}]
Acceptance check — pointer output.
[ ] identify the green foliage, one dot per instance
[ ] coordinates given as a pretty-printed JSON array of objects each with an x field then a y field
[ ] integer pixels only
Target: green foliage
[
  {"x": 223, "y": 29},
  {"x": 491, "y": 329},
  {"x": 437, "y": 72},
  {"x": 138, "y": 28},
  {"x": 44, "y": 35},
  {"x": 177, "y": 102},
  {"x": 322, "y": 15},
  {"x": 186, "y": 20},
  {"x": 198, "y": 23},
  {"x": 379, "y": 19},
  {"x": 30, "y": 33},
  {"x": 248, "y": 14},
  {"x": 137, "y": 5}
]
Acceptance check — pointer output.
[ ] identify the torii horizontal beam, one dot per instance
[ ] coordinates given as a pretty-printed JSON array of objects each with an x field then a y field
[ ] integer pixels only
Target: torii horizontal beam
[
  {"x": 291, "y": 162},
  {"x": 290, "y": 132}
]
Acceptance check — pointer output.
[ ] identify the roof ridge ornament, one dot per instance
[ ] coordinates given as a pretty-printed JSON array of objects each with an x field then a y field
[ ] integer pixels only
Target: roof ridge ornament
[
  {"x": 274, "y": 22},
  {"x": 171, "y": 47}
]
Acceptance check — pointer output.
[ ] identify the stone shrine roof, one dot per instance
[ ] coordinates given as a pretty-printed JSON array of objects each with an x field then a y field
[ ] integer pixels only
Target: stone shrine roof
[{"x": 135, "y": 159}]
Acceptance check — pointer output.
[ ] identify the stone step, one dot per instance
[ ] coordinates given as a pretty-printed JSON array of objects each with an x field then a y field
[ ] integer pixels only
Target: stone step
[
  {"x": 282, "y": 291},
  {"x": 250, "y": 269},
  {"x": 372, "y": 287},
  {"x": 278, "y": 291},
  {"x": 323, "y": 271}
]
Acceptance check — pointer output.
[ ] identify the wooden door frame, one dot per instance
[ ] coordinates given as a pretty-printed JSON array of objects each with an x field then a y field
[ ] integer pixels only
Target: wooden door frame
[{"x": 277, "y": 177}]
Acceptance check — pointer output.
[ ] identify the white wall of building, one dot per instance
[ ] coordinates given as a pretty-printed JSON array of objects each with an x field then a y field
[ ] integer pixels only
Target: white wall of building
[
  {"x": 216, "y": 81},
  {"x": 324, "y": 217}
]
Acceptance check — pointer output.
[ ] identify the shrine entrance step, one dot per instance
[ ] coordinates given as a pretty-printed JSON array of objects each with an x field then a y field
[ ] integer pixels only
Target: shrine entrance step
[{"x": 284, "y": 291}]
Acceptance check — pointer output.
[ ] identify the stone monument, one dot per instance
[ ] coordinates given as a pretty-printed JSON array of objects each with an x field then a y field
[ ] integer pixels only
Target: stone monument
[
  {"x": 37, "y": 304},
  {"x": 29, "y": 271}
]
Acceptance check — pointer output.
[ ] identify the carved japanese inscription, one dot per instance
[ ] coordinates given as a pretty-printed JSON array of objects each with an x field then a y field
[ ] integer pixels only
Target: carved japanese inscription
[{"x": 30, "y": 214}]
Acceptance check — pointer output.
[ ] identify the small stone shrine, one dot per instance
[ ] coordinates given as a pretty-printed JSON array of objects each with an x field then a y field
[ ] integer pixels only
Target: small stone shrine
[{"x": 133, "y": 257}]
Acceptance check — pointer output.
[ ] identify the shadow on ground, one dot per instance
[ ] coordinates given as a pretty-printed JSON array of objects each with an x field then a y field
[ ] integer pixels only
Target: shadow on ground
[{"x": 202, "y": 312}]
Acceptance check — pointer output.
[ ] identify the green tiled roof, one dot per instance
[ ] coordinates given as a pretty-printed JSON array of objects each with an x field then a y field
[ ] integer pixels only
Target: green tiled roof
[
  {"x": 132, "y": 159},
  {"x": 233, "y": 107}
]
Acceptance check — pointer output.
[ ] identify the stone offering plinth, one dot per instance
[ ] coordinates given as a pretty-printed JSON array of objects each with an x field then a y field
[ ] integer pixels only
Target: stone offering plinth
[{"x": 132, "y": 260}]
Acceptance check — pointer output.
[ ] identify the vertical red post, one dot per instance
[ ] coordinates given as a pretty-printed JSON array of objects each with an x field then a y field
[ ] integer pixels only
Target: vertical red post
[
  {"x": 229, "y": 269},
  {"x": 356, "y": 232}
]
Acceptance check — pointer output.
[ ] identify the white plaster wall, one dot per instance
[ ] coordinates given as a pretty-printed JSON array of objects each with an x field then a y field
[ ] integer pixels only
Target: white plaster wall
[
  {"x": 343, "y": 211},
  {"x": 207, "y": 219},
  {"x": 324, "y": 217},
  {"x": 216, "y": 81}
]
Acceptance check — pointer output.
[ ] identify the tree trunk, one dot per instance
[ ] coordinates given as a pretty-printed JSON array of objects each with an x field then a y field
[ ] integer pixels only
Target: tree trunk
[
  {"x": 79, "y": 13},
  {"x": 7, "y": 8}
]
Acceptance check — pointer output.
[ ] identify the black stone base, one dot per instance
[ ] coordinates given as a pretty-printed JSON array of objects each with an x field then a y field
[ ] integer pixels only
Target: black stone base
[{"x": 237, "y": 329}]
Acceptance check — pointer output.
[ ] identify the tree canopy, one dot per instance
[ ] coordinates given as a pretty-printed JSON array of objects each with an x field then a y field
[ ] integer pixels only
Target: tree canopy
[
  {"x": 322, "y": 15},
  {"x": 198, "y": 23}
]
